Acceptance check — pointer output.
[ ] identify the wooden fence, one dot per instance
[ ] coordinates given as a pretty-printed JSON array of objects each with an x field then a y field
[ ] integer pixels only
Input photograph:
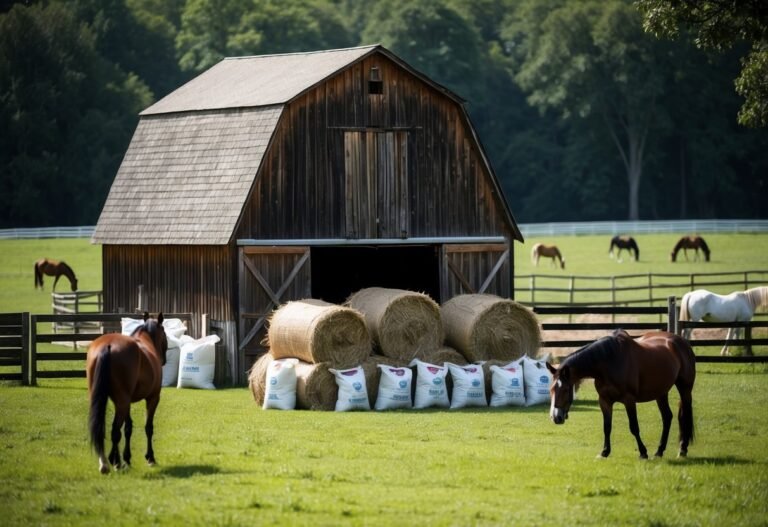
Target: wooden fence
[
  {"x": 21, "y": 333},
  {"x": 649, "y": 289},
  {"x": 14, "y": 345}
]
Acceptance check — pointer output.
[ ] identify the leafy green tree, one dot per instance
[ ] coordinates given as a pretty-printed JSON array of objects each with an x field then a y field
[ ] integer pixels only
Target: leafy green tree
[
  {"x": 591, "y": 59},
  {"x": 214, "y": 29},
  {"x": 66, "y": 115},
  {"x": 718, "y": 25}
]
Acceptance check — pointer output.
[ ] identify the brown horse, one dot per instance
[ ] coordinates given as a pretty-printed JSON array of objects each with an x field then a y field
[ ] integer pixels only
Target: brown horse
[
  {"x": 631, "y": 371},
  {"x": 621, "y": 243},
  {"x": 548, "y": 251},
  {"x": 53, "y": 268},
  {"x": 126, "y": 370},
  {"x": 690, "y": 242}
]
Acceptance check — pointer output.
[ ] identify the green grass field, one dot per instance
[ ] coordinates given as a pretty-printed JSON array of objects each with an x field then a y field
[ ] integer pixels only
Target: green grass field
[{"x": 224, "y": 461}]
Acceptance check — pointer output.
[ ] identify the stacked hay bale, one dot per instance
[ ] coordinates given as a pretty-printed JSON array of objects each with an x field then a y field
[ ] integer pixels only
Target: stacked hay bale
[
  {"x": 487, "y": 327},
  {"x": 403, "y": 324},
  {"x": 321, "y": 336}
]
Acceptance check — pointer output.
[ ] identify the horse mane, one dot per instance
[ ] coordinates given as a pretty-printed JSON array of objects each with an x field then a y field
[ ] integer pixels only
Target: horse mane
[
  {"x": 757, "y": 296},
  {"x": 594, "y": 353},
  {"x": 704, "y": 246}
]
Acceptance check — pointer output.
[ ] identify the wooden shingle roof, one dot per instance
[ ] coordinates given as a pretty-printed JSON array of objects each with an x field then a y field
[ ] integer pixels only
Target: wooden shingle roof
[
  {"x": 240, "y": 82},
  {"x": 185, "y": 177}
]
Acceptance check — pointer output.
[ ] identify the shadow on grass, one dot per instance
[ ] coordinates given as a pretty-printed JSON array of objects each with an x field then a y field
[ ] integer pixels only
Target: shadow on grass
[
  {"x": 719, "y": 461},
  {"x": 184, "y": 471}
]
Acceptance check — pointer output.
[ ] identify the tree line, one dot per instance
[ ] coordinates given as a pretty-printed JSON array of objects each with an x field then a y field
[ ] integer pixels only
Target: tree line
[{"x": 588, "y": 109}]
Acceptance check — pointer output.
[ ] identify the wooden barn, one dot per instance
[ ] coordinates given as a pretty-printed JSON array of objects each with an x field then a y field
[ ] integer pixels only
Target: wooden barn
[{"x": 272, "y": 178}]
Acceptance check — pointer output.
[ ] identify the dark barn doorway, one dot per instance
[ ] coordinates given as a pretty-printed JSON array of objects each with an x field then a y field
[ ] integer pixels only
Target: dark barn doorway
[{"x": 337, "y": 272}]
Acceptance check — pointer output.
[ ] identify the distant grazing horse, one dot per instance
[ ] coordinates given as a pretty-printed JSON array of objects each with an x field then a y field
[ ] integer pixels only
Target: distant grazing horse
[
  {"x": 624, "y": 242},
  {"x": 53, "y": 268},
  {"x": 631, "y": 371},
  {"x": 125, "y": 369},
  {"x": 549, "y": 251},
  {"x": 690, "y": 242},
  {"x": 739, "y": 306}
]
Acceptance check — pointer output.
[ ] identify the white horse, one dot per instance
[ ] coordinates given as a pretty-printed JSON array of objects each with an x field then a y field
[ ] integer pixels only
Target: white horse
[{"x": 703, "y": 305}]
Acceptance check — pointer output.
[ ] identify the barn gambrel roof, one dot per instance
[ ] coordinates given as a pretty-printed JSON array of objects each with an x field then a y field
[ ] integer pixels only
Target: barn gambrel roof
[{"x": 195, "y": 154}]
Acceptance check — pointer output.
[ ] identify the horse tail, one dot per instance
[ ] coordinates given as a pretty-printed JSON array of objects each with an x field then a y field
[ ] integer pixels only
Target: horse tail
[
  {"x": 685, "y": 381},
  {"x": 99, "y": 395}
]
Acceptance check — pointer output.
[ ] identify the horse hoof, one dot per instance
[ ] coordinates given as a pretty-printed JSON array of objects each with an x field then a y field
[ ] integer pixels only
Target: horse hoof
[
  {"x": 104, "y": 469},
  {"x": 643, "y": 456}
]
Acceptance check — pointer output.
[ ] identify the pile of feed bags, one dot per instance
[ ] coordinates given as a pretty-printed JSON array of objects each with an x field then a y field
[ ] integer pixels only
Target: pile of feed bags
[{"x": 189, "y": 362}]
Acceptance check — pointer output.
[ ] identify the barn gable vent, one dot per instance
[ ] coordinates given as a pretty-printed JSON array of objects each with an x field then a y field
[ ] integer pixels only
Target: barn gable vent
[{"x": 375, "y": 84}]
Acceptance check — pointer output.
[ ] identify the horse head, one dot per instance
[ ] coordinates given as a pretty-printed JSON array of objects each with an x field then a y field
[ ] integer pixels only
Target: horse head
[
  {"x": 156, "y": 331},
  {"x": 74, "y": 284},
  {"x": 561, "y": 393}
]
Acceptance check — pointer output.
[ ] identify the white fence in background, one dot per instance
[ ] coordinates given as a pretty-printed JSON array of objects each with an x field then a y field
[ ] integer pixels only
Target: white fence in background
[
  {"x": 47, "y": 232},
  {"x": 528, "y": 229},
  {"x": 644, "y": 227}
]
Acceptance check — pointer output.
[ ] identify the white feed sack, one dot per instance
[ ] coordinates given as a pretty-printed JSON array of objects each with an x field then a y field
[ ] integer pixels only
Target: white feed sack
[
  {"x": 468, "y": 385},
  {"x": 353, "y": 394},
  {"x": 394, "y": 388},
  {"x": 175, "y": 330},
  {"x": 508, "y": 384},
  {"x": 280, "y": 391},
  {"x": 431, "y": 390},
  {"x": 197, "y": 363},
  {"x": 537, "y": 381}
]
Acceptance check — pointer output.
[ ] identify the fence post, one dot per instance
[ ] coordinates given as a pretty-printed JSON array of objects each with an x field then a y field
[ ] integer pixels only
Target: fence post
[
  {"x": 33, "y": 350},
  {"x": 672, "y": 314},
  {"x": 25, "y": 378}
]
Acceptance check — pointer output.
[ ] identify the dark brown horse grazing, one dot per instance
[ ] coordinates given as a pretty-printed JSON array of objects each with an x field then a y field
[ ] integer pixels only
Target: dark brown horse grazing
[
  {"x": 624, "y": 242},
  {"x": 690, "y": 242},
  {"x": 549, "y": 251},
  {"x": 126, "y": 370},
  {"x": 631, "y": 371},
  {"x": 53, "y": 268}
]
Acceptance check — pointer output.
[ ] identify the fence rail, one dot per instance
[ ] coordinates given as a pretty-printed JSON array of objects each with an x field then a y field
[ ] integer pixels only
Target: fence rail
[{"x": 651, "y": 288}]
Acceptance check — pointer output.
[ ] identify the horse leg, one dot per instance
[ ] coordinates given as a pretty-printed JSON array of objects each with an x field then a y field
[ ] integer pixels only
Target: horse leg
[
  {"x": 607, "y": 409},
  {"x": 635, "y": 429},
  {"x": 128, "y": 432},
  {"x": 666, "y": 421},
  {"x": 149, "y": 428},
  {"x": 728, "y": 336},
  {"x": 117, "y": 424}
]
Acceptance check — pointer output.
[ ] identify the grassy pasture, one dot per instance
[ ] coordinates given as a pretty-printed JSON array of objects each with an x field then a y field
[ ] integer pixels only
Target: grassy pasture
[{"x": 223, "y": 461}]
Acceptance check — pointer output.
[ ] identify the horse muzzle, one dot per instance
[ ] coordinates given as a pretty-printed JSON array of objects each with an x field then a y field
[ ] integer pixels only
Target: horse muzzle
[{"x": 558, "y": 416}]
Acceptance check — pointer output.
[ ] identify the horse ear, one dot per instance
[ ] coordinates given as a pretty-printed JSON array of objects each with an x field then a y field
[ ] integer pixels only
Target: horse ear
[
  {"x": 146, "y": 316},
  {"x": 160, "y": 318},
  {"x": 551, "y": 368},
  {"x": 565, "y": 373}
]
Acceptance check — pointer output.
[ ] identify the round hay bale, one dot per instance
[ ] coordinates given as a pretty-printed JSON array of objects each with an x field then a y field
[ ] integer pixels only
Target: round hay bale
[
  {"x": 487, "y": 327},
  {"x": 401, "y": 323},
  {"x": 442, "y": 355},
  {"x": 257, "y": 378},
  {"x": 316, "y": 387},
  {"x": 315, "y": 331}
]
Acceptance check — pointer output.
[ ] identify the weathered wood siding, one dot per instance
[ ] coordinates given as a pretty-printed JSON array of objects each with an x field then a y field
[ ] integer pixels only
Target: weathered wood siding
[
  {"x": 310, "y": 184},
  {"x": 175, "y": 279}
]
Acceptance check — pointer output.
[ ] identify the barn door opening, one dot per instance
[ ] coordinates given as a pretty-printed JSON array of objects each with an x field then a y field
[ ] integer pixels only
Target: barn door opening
[
  {"x": 376, "y": 184},
  {"x": 337, "y": 272}
]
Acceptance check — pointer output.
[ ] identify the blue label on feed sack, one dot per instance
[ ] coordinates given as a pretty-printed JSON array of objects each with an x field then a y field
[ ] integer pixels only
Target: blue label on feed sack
[
  {"x": 437, "y": 381},
  {"x": 403, "y": 384},
  {"x": 543, "y": 379},
  {"x": 515, "y": 382},
  {"x": 357, "y": 386},
  {"x": 273, "y": 380}
]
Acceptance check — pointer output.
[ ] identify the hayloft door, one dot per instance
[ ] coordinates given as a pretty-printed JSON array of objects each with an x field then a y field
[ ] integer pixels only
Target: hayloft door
[{"x": 376, "y": 184}]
